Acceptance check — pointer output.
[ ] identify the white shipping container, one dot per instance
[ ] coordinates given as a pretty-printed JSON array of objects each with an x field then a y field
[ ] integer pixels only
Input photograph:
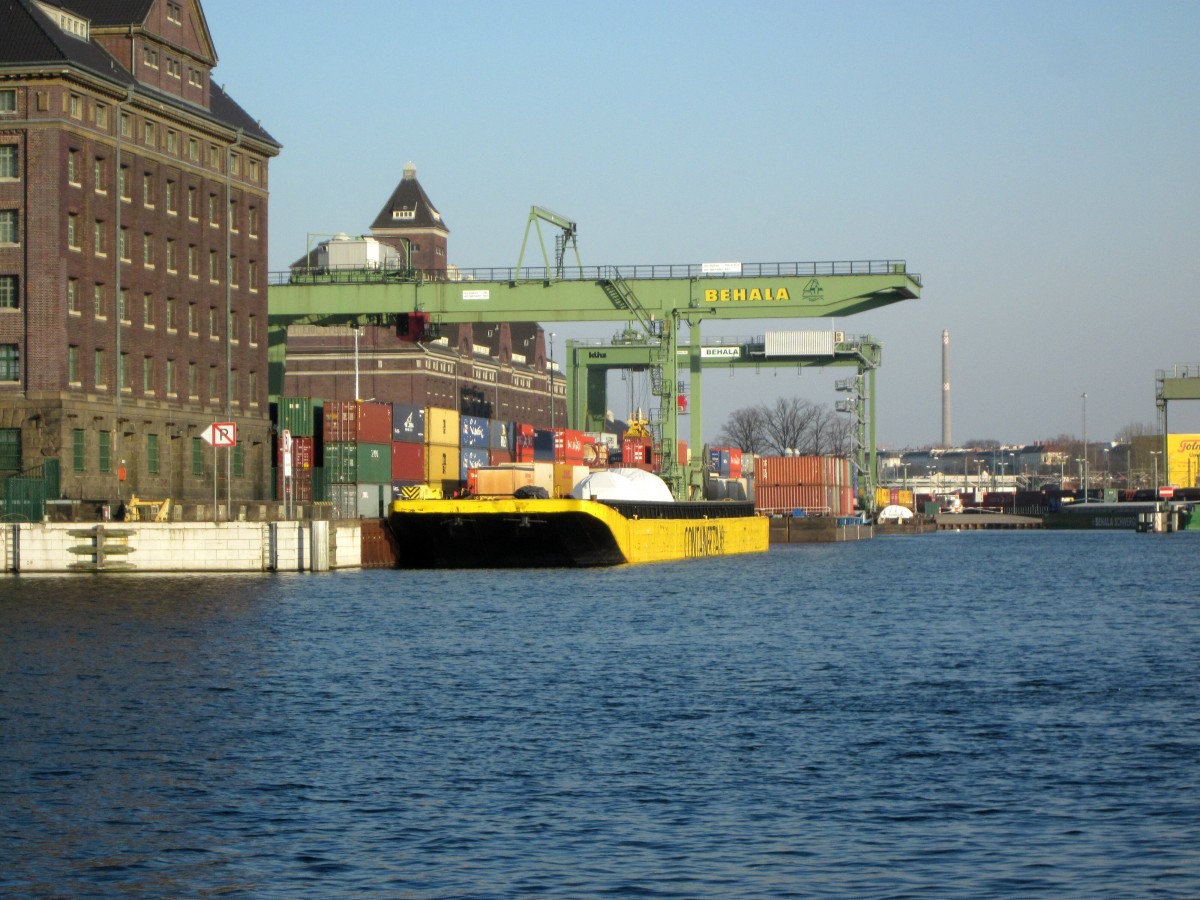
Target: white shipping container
[{"x": 799, "y": 343}]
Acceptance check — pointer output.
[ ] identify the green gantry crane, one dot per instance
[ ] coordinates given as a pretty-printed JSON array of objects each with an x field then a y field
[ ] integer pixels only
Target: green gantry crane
[
  {"x": 589, "y": 363},
  {"x": 660, "y": 299}
]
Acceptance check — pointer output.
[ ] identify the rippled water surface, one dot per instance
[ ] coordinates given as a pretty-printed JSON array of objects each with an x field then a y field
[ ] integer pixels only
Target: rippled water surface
[{"x": 957, "y": 715}]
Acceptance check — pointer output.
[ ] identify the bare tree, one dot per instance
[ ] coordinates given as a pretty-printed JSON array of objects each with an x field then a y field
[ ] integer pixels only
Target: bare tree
[
  {"x": 840, "y": 433},
  {"x": 787, "y": 423},
  {"x": 745, "y": 429}
]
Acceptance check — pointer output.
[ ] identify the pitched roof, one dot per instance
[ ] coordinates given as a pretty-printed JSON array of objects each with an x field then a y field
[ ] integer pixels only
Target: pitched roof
[
  {"x": 30, "y": 38},
  {"x": 409, "y": 207},
  {"x": 104, "y": 13}
]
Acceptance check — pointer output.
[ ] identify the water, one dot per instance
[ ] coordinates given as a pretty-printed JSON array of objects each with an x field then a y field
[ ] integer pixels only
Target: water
[{"x": 958, "y": 715}]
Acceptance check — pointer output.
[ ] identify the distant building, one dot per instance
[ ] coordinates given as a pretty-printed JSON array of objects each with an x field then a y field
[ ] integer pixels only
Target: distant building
[
  {"x": 491, "y": 369},
  {"x": 133, "y": 252}
]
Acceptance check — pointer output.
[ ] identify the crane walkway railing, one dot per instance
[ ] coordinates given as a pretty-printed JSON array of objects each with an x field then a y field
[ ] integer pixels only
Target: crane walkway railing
[{"x": 350, "y": 275}]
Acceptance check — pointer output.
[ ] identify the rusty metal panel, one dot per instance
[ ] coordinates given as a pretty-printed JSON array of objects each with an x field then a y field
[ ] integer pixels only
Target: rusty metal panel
[{"x": 379, "y": 547}]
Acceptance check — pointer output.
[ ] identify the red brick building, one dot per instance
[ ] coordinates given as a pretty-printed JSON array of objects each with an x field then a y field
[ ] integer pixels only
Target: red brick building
[
  {"x": 494, "y": 370},
  {"x": 133, "y": 252}
]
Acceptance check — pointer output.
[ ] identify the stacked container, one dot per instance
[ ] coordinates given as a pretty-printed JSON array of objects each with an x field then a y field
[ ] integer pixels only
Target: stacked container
[
  {"x": 358, "y": 456},
  {"x": 638, "y": 453},
  {"x": 523, "y": 441},
  {"x": 726, "y": 461},
  {"x": 443, "y": 468},
  {"x": 803, "y": 485},
  {"x": 474, "y": 436},
  {"x": 500, "y": 443},
  {"x": 408, "y": 447},
  {"x": 297, "y": 416}
]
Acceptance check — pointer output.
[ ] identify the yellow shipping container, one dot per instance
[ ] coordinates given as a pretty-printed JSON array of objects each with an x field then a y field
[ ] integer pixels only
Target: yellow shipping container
[
  {"x": 441, "y": 427},
  {"x": 442, "y": 463},
  {"x": 566, "y": 476},
  {"x": 894, "y": 497}
]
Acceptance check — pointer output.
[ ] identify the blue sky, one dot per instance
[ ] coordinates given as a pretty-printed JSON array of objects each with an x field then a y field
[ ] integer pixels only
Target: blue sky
[{"x": 1037, "y": 163}]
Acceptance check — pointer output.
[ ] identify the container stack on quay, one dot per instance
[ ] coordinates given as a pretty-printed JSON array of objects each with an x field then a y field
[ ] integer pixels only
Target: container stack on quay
[
  {"x": 727, "y": 479},
  {"x": 803, "y": 486},
  {"x": 359, "y": 456}
]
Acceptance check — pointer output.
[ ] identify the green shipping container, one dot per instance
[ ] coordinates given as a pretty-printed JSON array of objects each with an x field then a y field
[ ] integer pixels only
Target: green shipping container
[
  {"x": 375, "y": 463},
  {"x": 348, "y": 463},
  {"x": 297, "y": 415},
  {"x": 341, "y": 462}
]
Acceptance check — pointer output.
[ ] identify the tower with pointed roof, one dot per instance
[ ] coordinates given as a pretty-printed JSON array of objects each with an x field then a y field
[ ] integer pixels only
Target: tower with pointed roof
[
  {"x": 411, "y": 224},
  {"x": 133, "y": 252}
]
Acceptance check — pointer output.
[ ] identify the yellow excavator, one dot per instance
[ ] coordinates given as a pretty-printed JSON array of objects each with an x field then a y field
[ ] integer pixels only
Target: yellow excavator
[{"x": 147, "y": 510}]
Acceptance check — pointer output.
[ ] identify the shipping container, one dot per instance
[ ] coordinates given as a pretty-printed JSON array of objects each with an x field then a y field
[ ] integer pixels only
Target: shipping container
[
  {"x": 408, "y": 423},
  {"x": 441, "y": 426},
  {"x": 500, "y": 435},
  {"x": 471, "y": 458},
  {"x": 638, "y": 453},
  {"x": 543, "y": 445},
  {"x": 473, "y": 431},
  {"x": 408, "y": 461},
  {"x": 566, "y": 476},
  {"x": 502, "y": 481},
  {"x": 297, "y": 489},
  {"x": 358, "y": 421},
  {"x": 296, "y": 415},
  {"x": 346, "y": 462},
  {"x": 812, "y": 499},
  {"x": 568, "y": 446},
  {"x": 373, "y": 500},
  {"x": 500, "y": 457},
  {"x": 442, "y": 463},
  {"x": 341, "y": 462},
  {"x": 344, "y": 500},
  {"x": 303, "y": 453},
  {"x": 523, "y": 438},
  {"x": 793, "y": 470}
]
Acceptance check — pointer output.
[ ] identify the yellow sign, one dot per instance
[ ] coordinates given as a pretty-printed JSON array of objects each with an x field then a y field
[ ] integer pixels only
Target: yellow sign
[
  {"x": 1183, "y": 460},
  {"x": 745, "y": 295}
]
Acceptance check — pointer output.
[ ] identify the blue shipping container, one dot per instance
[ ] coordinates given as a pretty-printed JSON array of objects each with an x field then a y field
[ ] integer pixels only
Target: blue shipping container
[
  {"x": 473, "y": 432},
  {"x": 471, "y": 458},
  {"x": 408, "y": 423}
]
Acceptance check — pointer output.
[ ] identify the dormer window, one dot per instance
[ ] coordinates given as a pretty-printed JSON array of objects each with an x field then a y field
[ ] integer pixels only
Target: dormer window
[
  {"x": 76, "y": 26},
  {"x": 404, "y": 213}
]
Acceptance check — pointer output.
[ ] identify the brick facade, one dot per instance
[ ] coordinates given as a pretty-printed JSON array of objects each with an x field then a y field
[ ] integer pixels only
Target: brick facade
[{"x": 142, "y": 254}]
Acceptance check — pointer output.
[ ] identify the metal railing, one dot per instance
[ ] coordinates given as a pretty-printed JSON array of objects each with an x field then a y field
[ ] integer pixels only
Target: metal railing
[{"x": 350, "y": 275}]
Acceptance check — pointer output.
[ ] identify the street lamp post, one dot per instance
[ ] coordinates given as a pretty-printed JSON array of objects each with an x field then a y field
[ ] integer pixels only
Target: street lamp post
[
  {"x": 1156, "y": 454},
  {"x": 551, "y": 373}
]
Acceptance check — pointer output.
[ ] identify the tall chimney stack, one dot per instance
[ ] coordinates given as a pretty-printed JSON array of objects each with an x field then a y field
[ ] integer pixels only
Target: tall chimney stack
[{"x": 946, "y": 389}]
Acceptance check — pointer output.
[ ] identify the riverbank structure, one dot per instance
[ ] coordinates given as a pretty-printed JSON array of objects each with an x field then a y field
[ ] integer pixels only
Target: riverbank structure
[{"x": 133, "y": 253}]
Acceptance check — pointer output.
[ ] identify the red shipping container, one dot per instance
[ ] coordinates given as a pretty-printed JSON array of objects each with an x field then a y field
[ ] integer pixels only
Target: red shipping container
[
  {"x": 637, "y": 453},
  {"x": 303, "y": 454},
  {"x": 792, "y": 470},
  {"x": 735, "y": 463},
  {"x": 501, "y": 457},
  {"x": 814, "y": 499},
  {"x": 523, "y": 443},
  {"x": 408, "y": 462},
  {"x": 358, "y": 421},
  {"x": 568, "y": 446},
  {"x": 301, "y": 487}
]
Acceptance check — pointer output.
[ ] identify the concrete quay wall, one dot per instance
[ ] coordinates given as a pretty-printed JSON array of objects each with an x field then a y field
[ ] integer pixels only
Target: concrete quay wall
[{"x": 308, "y": 546}]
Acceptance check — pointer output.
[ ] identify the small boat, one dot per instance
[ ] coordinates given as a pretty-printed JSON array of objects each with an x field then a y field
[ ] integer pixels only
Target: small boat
[{"x": 518, "y": 533}]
